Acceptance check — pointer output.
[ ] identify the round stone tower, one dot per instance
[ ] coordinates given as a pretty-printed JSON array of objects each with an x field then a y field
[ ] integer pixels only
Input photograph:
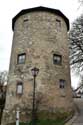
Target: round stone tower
[{"x": 40, "y": 40}]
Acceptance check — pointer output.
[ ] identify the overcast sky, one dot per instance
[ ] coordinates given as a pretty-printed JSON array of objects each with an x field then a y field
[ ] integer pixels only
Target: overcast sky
[{"x": 9, "y": 8}]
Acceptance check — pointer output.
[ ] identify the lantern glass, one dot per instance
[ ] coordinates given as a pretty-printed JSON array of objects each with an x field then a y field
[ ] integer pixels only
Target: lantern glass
[{"x": 34, "y": 71}]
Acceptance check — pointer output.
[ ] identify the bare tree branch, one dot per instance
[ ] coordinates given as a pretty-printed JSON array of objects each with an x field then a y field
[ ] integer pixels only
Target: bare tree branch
[{"x": 76, "y": 44}]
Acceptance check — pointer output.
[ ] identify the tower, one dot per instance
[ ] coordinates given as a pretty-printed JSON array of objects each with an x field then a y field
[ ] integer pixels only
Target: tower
[{"x": 40, "y": 40}]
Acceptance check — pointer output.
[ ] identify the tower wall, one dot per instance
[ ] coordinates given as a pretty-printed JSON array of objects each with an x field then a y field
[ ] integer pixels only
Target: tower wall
[{"x": 41, "y": 36}]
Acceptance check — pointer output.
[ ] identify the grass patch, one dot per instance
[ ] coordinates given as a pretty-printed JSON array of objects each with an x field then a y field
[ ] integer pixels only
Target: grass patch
[{"x": 46, "y": 122}]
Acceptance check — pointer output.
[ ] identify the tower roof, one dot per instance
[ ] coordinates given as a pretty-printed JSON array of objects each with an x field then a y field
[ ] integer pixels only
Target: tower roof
[{"x": 40, "y": 8}]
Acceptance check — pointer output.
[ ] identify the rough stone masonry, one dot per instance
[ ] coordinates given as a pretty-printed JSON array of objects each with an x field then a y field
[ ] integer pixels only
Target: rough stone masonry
[{"x": 40, "y": 40}]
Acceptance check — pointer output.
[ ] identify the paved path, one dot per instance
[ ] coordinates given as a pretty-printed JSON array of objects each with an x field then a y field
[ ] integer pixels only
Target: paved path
[{"x": 79, "y": 119}]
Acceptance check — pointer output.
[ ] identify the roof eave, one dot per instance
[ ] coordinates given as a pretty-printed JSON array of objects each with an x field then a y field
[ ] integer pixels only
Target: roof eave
[{"x": 58, "y": 12}]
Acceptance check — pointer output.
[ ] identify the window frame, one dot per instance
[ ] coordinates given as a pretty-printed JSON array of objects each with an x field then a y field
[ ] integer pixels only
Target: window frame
[
  {"x": 62, "y": 83},
  {"x": 20, "y": 61},
  {"x": 58, "y": 24},
  {"x": 19, "y": 83},
  {"x": 57, "y": 62}
]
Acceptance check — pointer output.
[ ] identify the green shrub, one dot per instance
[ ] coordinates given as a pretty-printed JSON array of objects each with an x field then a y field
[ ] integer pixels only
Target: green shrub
[{"x": 46, "y": 122}]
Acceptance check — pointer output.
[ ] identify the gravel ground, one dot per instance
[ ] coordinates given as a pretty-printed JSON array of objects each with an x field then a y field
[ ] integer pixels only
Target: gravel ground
[{"x": 78, "y": 119}]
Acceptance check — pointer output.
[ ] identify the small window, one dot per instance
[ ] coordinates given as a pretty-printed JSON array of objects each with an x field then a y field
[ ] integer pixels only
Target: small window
[
  {"x": 62, "y": 83},
  {"x": 57, "y": 59},
  {"x": 19, "y": 88},
  {"x": 58, "y": 24},
  {"x": 25, "y": 20},
  {"x": 21, "y": 58}
]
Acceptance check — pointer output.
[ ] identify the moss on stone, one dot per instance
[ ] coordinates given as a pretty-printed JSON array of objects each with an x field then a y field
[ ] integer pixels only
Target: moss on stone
[{"x": 50, "y": 115}]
